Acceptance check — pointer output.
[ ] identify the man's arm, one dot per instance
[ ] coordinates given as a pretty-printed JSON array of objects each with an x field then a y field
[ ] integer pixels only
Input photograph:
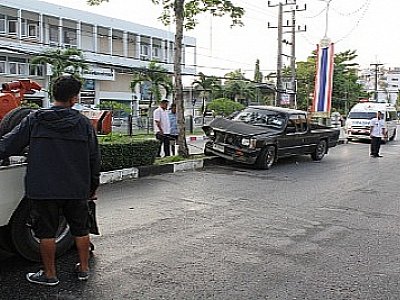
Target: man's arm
[
  {"x": 371, "y": 127},
  {"x": 15, "y": 141},
  {"x": 158, "y": 124},
  {"x": 384, "y": 130}
]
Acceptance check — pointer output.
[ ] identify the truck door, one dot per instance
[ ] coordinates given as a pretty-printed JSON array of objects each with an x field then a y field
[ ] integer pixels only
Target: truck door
[{"x": 294, "y": 139}]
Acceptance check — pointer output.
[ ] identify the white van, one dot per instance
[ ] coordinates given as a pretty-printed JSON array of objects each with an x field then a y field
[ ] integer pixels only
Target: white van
[{"x": 357, "y": 123}]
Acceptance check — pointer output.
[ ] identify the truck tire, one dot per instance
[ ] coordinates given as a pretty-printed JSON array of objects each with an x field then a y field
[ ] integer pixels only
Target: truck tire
[
  {"x": 266, "y": 158},
  {"x": 10, "y": 121},
  {"x": 13, "y": 118},
  {"x": 23, "y": 237},
  {"x": 320, "y": 150}
]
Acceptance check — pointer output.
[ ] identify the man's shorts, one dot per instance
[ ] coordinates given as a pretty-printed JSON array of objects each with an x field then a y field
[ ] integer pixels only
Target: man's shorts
[{"x": 46, "y": 216}]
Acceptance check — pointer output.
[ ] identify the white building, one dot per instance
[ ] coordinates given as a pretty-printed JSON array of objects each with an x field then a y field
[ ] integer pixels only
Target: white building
[
  {"x": 114, "y": 48},
  {"x": 393, "y": 84}
]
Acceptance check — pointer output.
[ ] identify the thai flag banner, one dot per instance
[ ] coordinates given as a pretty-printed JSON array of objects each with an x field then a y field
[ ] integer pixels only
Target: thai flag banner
[{"x": 323, "y": 79}]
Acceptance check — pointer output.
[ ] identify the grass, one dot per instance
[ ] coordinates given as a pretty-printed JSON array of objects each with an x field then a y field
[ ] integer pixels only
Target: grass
[{"x": 143, "y": 132}]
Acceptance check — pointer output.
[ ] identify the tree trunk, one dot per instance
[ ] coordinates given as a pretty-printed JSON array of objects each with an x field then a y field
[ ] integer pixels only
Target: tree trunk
[
  {"x": 179, "y": 14},
  {"x": 149, "y": 117}
]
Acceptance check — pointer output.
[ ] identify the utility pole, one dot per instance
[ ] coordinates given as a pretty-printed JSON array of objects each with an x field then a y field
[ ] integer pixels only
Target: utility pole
[
  {"x": 293, "y": 81},
  {"x": 280, "y": 87},
  {"x": 376, "y": 65}
]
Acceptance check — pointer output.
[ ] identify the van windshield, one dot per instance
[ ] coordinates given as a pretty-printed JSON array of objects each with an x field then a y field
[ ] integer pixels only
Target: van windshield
[{"x": 362, "y": 115}]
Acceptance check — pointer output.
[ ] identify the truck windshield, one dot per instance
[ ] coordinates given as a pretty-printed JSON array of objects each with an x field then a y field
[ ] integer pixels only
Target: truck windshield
[
  {"x": 362, "y": 115},
  {"x": 261, "y": 117}
]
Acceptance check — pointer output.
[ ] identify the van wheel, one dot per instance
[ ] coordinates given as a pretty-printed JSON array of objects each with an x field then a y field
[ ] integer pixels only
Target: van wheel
[
  {"x": 320, "y": 150},
  {"x": 24, "y": 239},
  {"x": 266, "y": 158}
]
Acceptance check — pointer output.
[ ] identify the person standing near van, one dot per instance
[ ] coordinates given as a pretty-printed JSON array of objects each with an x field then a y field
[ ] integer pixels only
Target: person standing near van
[{"x": 377, "y": 132}]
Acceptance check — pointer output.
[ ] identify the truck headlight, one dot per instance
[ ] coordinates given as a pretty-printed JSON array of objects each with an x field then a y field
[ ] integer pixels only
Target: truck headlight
[
  {"x": 249, "y": 142},
  {"x": 246, "y": 142}
]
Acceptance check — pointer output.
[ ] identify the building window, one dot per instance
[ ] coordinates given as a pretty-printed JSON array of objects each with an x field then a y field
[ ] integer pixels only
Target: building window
[
  {"x": 36, "y": 70},
  {"x": 17, "y": 66},
  {"x": 144, "y": 50},
  {"x": 12, "y": 26},
  {"x": 2, "y": 24},
  {"x": 156, "y": 51},
  {"x": 23, "y": 27},
  {"x": 53, "y": 34},
  {"x": 2, "y": 67},
  {"x": 33, "y": 30},
  {"x": 69, "y": 36},
  {"x": 13, "y": 68},
  {"x": 22, "y": 69}
]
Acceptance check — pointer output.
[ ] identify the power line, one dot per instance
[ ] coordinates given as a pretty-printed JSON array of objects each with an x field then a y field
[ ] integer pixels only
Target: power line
[
  {"x": 357, "y": 23},
  {"x": 317, "y": 15},
  {"x": 353, "y": 12}
]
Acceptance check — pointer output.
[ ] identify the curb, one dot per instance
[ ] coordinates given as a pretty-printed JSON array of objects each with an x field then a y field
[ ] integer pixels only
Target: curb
[{"x": 143, "y": 171}]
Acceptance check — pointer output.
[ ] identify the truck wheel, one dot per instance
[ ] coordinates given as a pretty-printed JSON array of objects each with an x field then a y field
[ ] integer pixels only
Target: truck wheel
[
  {"x": 13, "y": 118},
  {"x": 320, "y": 150},
  {"x": 266, "y": 158},
  {"x": 23, "y": 237}
]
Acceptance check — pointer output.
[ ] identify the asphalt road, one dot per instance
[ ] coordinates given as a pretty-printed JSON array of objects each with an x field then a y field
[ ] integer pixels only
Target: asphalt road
[{"x": 302, "y": 230}]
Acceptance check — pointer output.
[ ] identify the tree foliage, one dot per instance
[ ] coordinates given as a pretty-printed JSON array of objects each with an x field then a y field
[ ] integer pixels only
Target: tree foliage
[
  {"x": 62, "y": 61},
  {"x": 208, "y": 86},
  {"x": 238, "y": 88},
  {"x": 158, "y": 78},
  {"x": 224, "y": 107}
]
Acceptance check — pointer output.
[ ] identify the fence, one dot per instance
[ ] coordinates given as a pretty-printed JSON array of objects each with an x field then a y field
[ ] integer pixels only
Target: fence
[{"x": 144, "y": 125}]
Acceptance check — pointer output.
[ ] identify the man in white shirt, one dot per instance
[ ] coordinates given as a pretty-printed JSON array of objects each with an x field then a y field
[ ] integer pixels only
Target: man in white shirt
[
  {"x": 377, "y": 132},
  {"x": 162, "y": 127}
]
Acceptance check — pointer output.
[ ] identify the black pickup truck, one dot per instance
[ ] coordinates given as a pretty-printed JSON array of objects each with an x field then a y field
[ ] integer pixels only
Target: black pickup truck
[{"x": 259, "y": 135}]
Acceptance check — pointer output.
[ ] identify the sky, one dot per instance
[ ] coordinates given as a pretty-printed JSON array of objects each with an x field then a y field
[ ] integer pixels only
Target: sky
[{"x": 368, "y": 26}]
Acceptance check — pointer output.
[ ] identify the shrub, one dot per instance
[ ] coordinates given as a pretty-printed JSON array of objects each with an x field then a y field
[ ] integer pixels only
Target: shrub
[
  {"x": 118, "y": 152},
  {"x": 224, "y": 106}
]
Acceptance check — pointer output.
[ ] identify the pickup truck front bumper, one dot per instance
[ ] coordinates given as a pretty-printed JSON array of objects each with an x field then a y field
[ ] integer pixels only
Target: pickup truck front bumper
[{"x": 233, "y": 153}]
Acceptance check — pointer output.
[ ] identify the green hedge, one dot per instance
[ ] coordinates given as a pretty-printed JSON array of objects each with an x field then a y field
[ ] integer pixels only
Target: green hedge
[{"x": 118, "y": 152}]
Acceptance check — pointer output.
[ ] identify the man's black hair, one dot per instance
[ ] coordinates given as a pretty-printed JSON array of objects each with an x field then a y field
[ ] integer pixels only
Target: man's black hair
[{"x": 65, "y": 87}]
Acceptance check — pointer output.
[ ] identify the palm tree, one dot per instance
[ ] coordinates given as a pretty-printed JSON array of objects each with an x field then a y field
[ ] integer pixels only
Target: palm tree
[
  {"x": 62, "y": 61},
  {"x": 159, "y": 80},
  {"x": 207, "y": 85},
  {"x": 238, "y": 87}
]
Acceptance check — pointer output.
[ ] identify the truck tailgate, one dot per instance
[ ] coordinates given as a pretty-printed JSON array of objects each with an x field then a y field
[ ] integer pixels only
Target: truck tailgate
[{"x": 11, "y": 190}]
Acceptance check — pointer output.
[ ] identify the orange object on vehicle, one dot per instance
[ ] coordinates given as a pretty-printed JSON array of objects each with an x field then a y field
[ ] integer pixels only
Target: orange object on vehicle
[
  {"x": 101, "y": 120},
  {"x": 13, "y": 92}
]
